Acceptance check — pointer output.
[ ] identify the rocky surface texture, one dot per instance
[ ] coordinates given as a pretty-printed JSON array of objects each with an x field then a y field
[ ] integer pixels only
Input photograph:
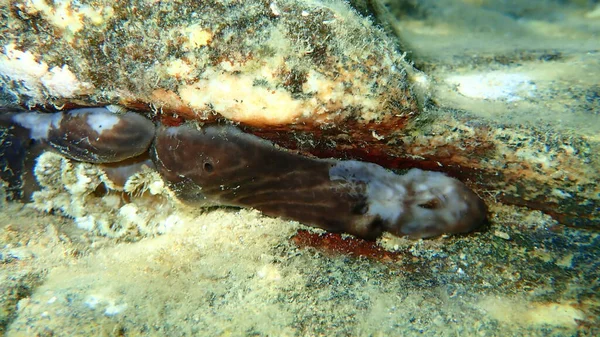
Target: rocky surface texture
[{"x": 502, "y": 95}]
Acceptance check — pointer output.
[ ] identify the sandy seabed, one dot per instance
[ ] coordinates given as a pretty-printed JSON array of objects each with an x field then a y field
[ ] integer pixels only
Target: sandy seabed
[{"x": 235, "y": 272}]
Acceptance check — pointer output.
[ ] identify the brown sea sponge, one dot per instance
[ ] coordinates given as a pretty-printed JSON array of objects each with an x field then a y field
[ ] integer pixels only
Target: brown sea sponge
[{"x": 222, "y": 165}]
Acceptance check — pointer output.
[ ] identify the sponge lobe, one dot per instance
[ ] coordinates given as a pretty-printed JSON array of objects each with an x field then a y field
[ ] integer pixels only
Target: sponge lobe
[
  {"x": 222, "y": 165},
  {"x": 437, "y": 204},
  {"x": 418, "y": 204},
  {"x": 92, "y": 135}
]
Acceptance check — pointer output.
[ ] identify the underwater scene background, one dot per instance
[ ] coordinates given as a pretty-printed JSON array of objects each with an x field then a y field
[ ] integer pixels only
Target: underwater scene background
[{"x": 481, "y": 119}]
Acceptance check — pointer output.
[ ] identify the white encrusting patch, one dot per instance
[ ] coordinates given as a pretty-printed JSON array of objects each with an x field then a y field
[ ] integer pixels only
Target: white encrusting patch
[
  {"x": 98, "y": 119},
  {"x": 38, "y": 124},
  {"x": 385, "y": 195},
  {"x": 386, "y": 200},
  {"x": 68, "y": 17},
  {"x": 418, "y": 203},
  {"x": 431, "y": 186},
  {"x": 494, "y": 86},
  {"x": 237, "y": 97},
  {"x": 100, "y": 122},
  {"x": 36, "y": 78},
  {"x": 173, "y": 131}
]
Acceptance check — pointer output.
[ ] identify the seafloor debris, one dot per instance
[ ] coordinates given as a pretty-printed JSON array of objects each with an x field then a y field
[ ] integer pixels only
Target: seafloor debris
[{"x": 220, "y": 165}]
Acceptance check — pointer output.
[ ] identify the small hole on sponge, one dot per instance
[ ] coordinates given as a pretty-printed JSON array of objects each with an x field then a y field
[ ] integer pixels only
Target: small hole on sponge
[
  {"x": 208, "y": 167},
  {"x": 431, "y": 204}
]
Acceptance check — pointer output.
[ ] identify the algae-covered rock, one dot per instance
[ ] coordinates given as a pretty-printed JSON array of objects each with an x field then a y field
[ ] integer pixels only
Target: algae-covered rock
[{"x": 256, "y": 62}]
